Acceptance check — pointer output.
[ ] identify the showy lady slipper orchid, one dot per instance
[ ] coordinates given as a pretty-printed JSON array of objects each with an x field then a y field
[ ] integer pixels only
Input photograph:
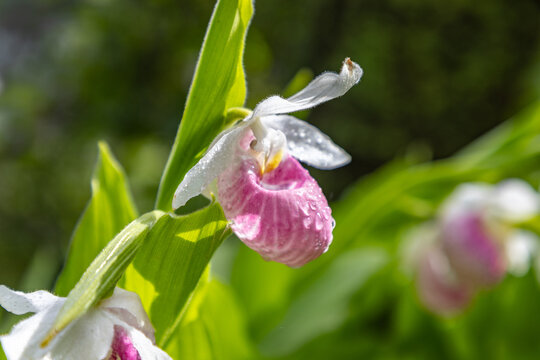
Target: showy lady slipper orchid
[
  {"x": 118, "y": 329},
  {"x": 477, "y": 229},
  {"x": 274, "y": 205},
  {"x": 473, "y": 244}
]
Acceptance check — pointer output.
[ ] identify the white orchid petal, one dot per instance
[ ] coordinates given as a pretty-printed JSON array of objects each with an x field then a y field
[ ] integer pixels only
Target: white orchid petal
[
  {"x": 147, "y": 350},
  {"x": 127, "y": 306},
  {"x": 216, "y": 159},
  {"x": 20, "y": 303},
  {"x": 515, "y": 200},
  {"x": 307, "y": 143},
  {"x": 521, "y": 247},
  {"x": 324, "y": 87},
  {"x": 23, "y": 342},
  {"x": 87, "y": 338}
]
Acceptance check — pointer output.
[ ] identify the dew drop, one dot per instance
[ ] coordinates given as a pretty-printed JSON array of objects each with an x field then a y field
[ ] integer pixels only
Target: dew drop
[
  {"x": 304, "y": 206},
  {"x": 319, "y": 223}
]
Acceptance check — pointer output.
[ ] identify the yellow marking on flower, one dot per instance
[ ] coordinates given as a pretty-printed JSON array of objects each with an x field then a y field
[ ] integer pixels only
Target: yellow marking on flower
[
  {"x": 48, "y": 338},
  {"x": 273, "y": 162}
]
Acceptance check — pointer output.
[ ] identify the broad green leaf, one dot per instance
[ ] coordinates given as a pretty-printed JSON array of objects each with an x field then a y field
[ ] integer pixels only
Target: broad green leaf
[
  {"x": 323, "y": 306},
  {"x": 102, "y": 275},
  {"x": 109, "y": 210},
  {"x": 213, "y": 327},
  {"x": 218, "y": 84},
  {"x": 263, "y": 287},
  {"x": 169, "y": 265},
  {"x": 515, "y": 138}
]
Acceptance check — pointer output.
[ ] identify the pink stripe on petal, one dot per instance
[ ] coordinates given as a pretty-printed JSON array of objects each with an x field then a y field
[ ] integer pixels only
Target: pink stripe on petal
[
  {"x": 122, "y": 348},
  {"x": 283, "y": 214}
]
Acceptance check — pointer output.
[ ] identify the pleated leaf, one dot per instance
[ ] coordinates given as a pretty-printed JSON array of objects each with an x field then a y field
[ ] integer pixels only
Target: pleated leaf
[
  {"x": 168, "y": 267},
  {"x": 218, "y": 84},
  {"x": 101, "y": 277},
  {"x": 110, "y": 208},
  {"x": 213, "y": 327}
]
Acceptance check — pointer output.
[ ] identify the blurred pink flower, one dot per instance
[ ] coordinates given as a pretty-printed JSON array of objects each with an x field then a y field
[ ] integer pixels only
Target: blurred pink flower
[
  {"x": 439, "y": 289},
  {"x": 473, "y": 243},
  {"x": 476, "y": 225},
  {"x": 475, "y": 253}
]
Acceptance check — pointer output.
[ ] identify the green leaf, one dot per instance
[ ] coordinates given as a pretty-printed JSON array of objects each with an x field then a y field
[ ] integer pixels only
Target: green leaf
[
  {"x": 264, "y": 289},
  {"x": 388, "y": 192},
  {"x": 323, "y": 306},
  {"x": 169, "y": 265},
  {"x": 165, "y": 272},
  {"x": 102, "y": 275},
  {"x": 213, "y": 327},
  {"x": 109, "y": 210},
  {"x": 218, "y": 84}
]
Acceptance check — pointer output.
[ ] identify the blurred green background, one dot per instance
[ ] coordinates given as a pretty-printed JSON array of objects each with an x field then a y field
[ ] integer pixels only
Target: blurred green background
[{"x": 437, "y": 76}]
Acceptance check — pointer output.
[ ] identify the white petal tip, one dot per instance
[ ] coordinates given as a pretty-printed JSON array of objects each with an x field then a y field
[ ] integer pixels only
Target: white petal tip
[
  {"x": 352, "y": 70},
  {"x": 177, "y": 202},
  {"x": 335, "y": 163},
  {"x": 346, "y": 160}
]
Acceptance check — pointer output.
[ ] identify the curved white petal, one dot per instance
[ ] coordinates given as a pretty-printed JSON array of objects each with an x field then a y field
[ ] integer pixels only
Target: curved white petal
[
  {"x": 88, "y": 338},
  {"x": 515, "y": 200},
  {"x": 20, "y": 303},
  {"x": 147, "y": 350},
  {"x": 127, "y": 306},
  {"x": 324, "y": 87},
  {"x": 216, "y": 159},
  {"x": 307, "y": 143},
  {"x": 23, "y": 342},
  {"x": 521, "y": 248}
]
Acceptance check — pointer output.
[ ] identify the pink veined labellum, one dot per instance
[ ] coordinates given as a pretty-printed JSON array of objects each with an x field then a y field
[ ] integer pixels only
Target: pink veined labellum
[
  {"x": 275, "y": 207},
  {"x": 281, "y": 214},
  {"x": 122, "y": 347}
]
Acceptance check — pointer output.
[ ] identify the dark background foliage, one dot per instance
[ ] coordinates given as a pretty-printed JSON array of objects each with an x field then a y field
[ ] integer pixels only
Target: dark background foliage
[{"x": 437, "y": 75}]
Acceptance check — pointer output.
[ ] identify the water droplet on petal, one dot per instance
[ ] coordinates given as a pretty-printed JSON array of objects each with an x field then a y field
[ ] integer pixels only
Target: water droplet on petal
[{"x": 319, "y": 223}]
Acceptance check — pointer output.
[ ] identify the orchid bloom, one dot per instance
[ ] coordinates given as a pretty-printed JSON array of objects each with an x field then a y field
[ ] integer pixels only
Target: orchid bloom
[
  {"x": 274, "y": 205},
  {"x": 477, "y": 230},
  {"x": 116, "y": 329},
  {"x": 473, "y": 243}
]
